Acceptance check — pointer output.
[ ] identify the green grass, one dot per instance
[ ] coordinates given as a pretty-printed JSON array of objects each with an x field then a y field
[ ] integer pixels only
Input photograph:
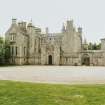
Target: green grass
[{"x": 16, "y": 93}]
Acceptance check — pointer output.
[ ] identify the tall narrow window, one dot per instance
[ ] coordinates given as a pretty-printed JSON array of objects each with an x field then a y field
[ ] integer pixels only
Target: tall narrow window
[
  {"x": 12, "y": 52},
  {"x": 16, "y": 51},
  {"x": 11, "y": 37},
  {"x": 66, "y": 59},
  {"x": 24, "y": 50}
]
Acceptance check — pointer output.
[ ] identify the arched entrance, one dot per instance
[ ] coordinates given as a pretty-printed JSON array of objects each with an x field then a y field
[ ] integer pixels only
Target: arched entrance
[
  {"x": 86, "y": 60},
  {"x": 50, "y": 59}
]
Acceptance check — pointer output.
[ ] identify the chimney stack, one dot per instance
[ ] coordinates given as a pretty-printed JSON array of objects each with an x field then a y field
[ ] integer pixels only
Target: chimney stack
[{"x": 14, "y": 21}]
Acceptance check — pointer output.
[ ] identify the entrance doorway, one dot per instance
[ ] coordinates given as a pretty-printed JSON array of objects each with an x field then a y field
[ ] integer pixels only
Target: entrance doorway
[
  {"x": 86, "y": 60},
  {"x": 50, "y": 60}
]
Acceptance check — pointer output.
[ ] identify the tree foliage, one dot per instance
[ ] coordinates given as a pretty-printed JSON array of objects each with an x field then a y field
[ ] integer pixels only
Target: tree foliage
[
  {"x": 94, "y": 46},
  {"x": 4, "y": 51}
]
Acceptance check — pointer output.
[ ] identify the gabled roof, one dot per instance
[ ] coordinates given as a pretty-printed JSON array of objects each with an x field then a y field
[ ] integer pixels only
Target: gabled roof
[{"x": 14, "y": 28}]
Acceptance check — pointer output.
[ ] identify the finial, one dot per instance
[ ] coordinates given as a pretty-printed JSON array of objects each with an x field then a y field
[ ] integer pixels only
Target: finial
[
  {"x": 47, "y": 30},
  {"x": 63, "y": 28},
  {"x": 31, "y": 20}
]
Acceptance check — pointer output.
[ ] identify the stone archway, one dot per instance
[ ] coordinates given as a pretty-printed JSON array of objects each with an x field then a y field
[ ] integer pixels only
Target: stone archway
[
  {"x": 86, "y": 59},
  {"x": 50, "y": 59}
]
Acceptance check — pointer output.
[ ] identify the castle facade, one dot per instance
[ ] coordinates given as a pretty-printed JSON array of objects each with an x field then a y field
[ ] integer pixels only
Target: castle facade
[{"x": 28, "y": 45}]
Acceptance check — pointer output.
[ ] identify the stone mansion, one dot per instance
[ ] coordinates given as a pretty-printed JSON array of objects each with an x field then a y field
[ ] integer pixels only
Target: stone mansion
[{"x": 28, "y": 45}]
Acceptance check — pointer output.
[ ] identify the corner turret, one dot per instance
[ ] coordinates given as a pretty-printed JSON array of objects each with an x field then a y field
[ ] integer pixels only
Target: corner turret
[{"x": 69, "y": 26}]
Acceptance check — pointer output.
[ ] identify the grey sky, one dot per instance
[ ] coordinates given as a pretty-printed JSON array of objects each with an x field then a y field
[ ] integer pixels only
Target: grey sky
[{"x": 89, "y": 14}]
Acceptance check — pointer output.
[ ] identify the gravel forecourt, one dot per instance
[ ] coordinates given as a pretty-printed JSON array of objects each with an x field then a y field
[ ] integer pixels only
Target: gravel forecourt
[{"x": 54, "y": 74}]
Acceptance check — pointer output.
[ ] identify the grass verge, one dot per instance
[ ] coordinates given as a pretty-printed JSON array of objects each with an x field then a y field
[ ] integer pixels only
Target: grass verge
[{"x": 17, "y": 93}]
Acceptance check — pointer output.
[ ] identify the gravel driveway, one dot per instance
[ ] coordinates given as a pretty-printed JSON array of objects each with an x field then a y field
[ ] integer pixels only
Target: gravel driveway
[{"x": 54, "y": 74}]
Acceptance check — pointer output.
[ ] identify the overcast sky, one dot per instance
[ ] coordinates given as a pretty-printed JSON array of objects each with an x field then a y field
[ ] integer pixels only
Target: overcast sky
[{"x": 89, "y": 14}]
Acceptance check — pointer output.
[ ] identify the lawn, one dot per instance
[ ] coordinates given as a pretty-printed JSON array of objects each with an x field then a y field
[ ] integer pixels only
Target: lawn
[{"x": 17, "y": 93}]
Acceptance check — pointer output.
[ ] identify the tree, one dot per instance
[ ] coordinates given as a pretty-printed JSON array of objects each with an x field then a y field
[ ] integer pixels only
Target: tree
[
  {"x": 2, "y": 50},
  {"x": 90, "y": 46},
  {"x": 7, "y": 52},
  {"x": 94, "y": 46},
  {"x": 99, "y": 46}
]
